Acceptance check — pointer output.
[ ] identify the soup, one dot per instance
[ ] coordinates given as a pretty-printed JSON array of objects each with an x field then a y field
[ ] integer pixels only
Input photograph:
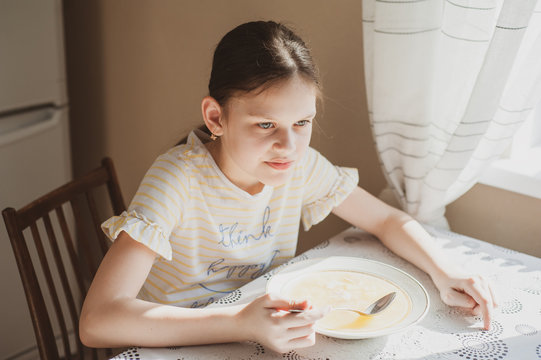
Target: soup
[{"x": 349, "y": 289}]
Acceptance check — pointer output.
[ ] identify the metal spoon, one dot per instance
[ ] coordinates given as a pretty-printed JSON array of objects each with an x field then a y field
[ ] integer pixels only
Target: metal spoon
[{"x": 374, "y": 308}]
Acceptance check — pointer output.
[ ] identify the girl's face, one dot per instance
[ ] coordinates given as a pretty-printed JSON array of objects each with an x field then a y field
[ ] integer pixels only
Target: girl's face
[{"x": 265, "y": 135}]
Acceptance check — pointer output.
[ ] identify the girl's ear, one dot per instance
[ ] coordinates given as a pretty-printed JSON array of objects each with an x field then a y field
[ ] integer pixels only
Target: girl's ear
[{"x": 212, "y": 114}]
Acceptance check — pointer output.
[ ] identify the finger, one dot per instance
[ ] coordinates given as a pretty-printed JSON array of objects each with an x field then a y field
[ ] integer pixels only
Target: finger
[
  {"x": 274, "y": 301},
  {"x": 299, "y": 305},
  {"x": 308, "y": 317},
  {"x": 302, "y": 342},
  {"x": 483, "y": 298},
  {"x": 460, "y": 299},
  {"x": 476, "y": 311},
  {"x": 493, "y": 294},
  {"x": 300, "y": 331}
]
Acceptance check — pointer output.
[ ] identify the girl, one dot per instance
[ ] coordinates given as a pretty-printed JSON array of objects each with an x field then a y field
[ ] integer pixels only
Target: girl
[{"x": 215, "y": 213}]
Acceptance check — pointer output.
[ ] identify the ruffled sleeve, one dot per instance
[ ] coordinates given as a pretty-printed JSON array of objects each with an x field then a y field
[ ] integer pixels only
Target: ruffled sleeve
[
  {"x": 326, "y": 187},
  {"x": 141, "y": 229},
  {"x": 156, "y": 208}
]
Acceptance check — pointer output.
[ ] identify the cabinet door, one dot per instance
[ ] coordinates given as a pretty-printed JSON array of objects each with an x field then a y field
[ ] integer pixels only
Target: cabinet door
[{"x": 31, "y": 54}]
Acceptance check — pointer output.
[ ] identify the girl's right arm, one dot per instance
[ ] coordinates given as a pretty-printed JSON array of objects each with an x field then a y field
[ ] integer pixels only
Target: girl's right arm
[{"x": 112, "y": 316}]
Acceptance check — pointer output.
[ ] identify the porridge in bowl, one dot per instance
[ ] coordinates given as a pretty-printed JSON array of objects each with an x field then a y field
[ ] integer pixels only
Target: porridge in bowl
[{"x": 349, "y": 289}]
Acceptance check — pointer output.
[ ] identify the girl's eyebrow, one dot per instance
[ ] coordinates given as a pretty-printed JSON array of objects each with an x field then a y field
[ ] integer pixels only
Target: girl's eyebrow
[{"x": 268, "y": 117}]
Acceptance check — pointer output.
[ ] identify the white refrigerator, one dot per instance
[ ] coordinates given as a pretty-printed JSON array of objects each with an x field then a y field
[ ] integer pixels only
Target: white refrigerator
[{"x": 34, "y": 140}]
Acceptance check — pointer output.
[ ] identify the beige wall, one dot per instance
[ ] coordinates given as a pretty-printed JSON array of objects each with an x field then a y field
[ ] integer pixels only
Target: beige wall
[
  {"x": 500, "y": 217},
  {"x": 137, "y": 71}
]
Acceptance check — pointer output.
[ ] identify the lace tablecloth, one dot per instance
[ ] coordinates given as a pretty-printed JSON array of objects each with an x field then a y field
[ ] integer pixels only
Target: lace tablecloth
[{"x": 445, "y": 332}]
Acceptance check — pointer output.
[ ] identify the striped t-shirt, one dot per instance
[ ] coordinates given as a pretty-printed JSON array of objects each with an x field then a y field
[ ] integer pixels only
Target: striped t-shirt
[{"x": 212, "y": 236}]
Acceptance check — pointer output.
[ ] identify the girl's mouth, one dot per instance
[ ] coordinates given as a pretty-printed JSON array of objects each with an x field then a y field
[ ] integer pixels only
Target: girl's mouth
[{"x": 279, "y": 165}]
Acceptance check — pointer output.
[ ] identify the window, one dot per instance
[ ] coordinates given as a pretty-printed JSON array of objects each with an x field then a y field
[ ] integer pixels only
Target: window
[{"x": 519, "y": 169}]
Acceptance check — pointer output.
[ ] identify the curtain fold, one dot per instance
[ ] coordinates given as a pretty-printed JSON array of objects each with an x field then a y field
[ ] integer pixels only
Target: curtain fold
[{"x": 448, "y": 84}]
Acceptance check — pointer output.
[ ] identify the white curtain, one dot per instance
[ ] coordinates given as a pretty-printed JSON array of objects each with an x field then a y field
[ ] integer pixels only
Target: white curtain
[{"x": 448, "y": 84}]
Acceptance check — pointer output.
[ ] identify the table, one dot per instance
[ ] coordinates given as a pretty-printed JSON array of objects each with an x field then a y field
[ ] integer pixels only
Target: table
[{"x": 445, "y": 332}]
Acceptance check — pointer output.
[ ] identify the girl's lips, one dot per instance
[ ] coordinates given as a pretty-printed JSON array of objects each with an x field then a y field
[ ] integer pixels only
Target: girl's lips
[{"x": 280, "y": 165}]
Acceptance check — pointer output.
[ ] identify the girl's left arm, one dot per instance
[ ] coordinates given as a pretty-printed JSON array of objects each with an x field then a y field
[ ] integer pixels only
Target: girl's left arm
[{"x": 408, "y": 239}]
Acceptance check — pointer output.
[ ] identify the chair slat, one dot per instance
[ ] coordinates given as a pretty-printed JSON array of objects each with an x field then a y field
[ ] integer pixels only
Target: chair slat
[
  {"x": 83, "y": 239},
  {"x": 71, "y": 250},
  {"x": 117, "y": 201},
  {"x": 95, "y": 219},
  {"x": 63, "y": 279},
  {"x": 52, "y": 289}
]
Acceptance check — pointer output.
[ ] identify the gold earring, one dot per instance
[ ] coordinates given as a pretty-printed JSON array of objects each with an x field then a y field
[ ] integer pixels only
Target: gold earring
[{"x": 213, "y": 137}]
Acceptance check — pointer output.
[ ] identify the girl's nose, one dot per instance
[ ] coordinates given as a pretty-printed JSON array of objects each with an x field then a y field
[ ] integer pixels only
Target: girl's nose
[{"x": 285, "y": 141}]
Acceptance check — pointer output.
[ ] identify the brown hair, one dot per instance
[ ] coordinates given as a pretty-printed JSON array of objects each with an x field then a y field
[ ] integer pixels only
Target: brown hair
[{"x": 255, "y": 55}]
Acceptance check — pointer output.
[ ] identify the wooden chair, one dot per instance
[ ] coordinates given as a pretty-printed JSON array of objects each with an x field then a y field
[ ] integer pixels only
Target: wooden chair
[{"x": 66, "y": 282}]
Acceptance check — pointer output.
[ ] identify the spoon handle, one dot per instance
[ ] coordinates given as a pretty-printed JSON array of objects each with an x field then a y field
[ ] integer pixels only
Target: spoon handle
[{"x": 374, "y": 308}]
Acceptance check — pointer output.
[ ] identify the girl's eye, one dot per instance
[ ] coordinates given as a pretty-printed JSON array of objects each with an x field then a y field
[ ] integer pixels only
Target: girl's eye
[
  {"x": 302, "y": 122},
  {"x": 265, "y": 125}
]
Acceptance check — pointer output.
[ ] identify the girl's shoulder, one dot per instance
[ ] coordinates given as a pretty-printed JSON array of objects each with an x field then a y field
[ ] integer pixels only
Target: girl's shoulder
[{"x": 192, "y": 154}]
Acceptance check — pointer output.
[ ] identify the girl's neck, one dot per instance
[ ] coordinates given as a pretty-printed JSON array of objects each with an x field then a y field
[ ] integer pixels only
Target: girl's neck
[{"x": 214, "y": 148}]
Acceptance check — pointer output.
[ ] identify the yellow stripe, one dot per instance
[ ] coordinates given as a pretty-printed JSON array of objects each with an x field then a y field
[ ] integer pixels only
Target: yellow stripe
[
  {"x": 222, "y": 197},
  {"x": 151, "y": 209},
  {"x": 173, "y": 164},
  {"x": 184, "y": 255},
  {"x": 276, "y": 198},
  {"x": 162, "y": 192},
  {"x": 169, "y": 184},
  {"x": 201, "y": 228},
  {"x": 179, "y": 270},
  {"x": 190, "y": 147},
  {"x": 151, "y": 240},
  {"x": 175, "y": 269},
  {"x": 199, "y": 218},
  {"x": 140, "y": 193},
  {"x": 115, "y": 224},
  {"x": 211, "y": 205},
  {"x": 291, "y": 198},
  {"x": 309, "y": 178},
  {"x": 196, "y": 156},
  {"x": 164, "y": 280},
  {"x": 182, "y": 245},
  {"x": 165, "y": 170},
  {"x": 287, "y": 234},
  {"x": 291, "y": 207},
  {"x": 296, "y": 223},
  {"x": 319, "y": 176},
  {"x": 145, "y": 240},
  {"x": 194, "y": 239},
  {"x": 291, "y": 240},
  {"x": 228, "y": 208},
  {"x": 290, "y": 216},
  {"x": 221, "y": 216},
  {"x": 211, "y": 176},
  {"x": 170, "y": 274},
  {"x": 215, "y": 187}
]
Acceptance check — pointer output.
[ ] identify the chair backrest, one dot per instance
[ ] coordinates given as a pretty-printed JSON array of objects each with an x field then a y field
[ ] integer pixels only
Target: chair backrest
[{"x": 68, "y": 261}]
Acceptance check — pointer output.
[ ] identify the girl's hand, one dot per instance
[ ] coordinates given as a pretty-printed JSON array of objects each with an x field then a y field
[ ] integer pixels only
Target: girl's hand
[
  {"x": 268, "y": 322},
  {"x": 470, "y": 292}
]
